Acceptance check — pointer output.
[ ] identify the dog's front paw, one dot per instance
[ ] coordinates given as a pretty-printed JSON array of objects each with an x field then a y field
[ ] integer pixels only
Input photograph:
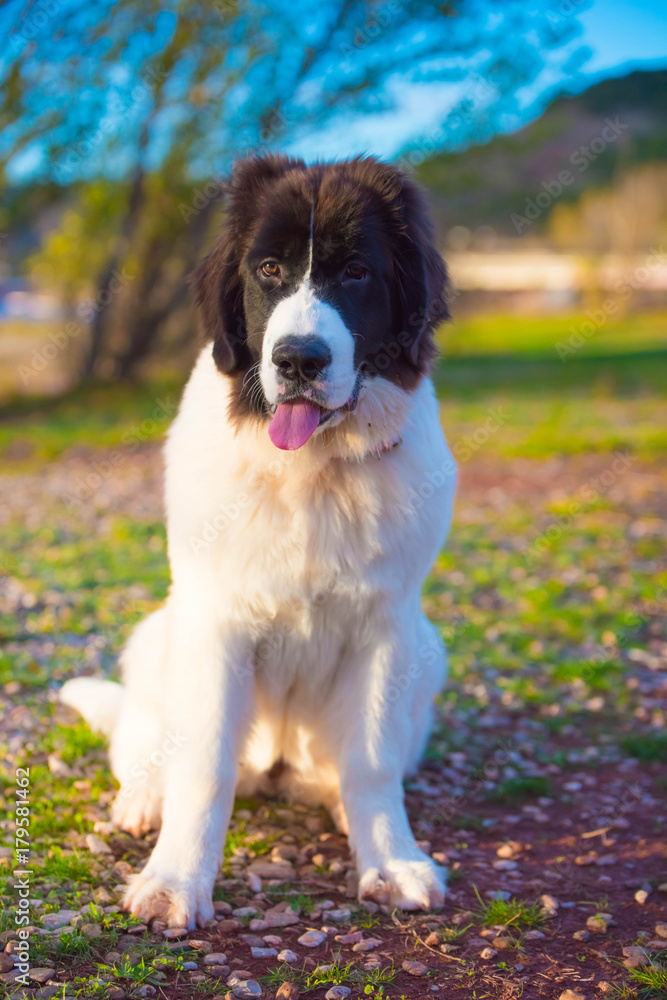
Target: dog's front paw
[
  {"x": 181, "y": 903},
  {"x": 409, "y": 885},
  {"x": 136, "y": 810}
]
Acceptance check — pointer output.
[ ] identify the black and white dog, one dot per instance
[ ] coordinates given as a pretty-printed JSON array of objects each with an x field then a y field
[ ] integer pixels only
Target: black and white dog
[{"x": 308, "y": 490}]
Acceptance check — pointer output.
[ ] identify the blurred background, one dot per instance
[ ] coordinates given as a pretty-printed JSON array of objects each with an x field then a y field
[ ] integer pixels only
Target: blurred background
[{"x": 538, "y": 129}]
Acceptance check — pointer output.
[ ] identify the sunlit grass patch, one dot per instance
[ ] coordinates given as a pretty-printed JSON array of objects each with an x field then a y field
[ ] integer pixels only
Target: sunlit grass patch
[{"x": 514, "y": 912}]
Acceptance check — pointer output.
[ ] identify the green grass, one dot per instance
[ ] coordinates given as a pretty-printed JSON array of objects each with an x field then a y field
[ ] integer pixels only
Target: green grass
[
  {"x": 646, "y": 746},
  {"x": 650, "y": 981},
  {"x": 511, "y": 912},
  {"x": 526, "y": 787}
]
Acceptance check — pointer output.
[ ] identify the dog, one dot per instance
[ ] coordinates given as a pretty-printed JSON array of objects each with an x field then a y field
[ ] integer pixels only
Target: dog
[{"x": 309, "y": 489}]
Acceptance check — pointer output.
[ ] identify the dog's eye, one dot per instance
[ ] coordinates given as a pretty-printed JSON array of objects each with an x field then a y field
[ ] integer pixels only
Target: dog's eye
[
  {"x": 355, "y": 272},
  {"x": 270, "y": 269}
]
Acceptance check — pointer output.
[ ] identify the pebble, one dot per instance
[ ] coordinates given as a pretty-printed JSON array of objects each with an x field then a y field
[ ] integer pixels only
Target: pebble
[
  {"x": 41, "y": 975},
  {"x": 661, "y": 930},
  {"x": 6, "y": 962},
  {"x": 288, "y": 991},
  {"x": 263, "y": 952},
  {"x": 58, "y": 919},
  {"x": 312, "y": 939},
  {"x": 597, "y": 924},
  {"x": 488, "y": 953},
  {"x": 571, "y": 995},
  {"x": 146, "y": 991},
  {"x": 505, "y": 866},
  {"x": 549, "y": 902},
  {"x": 272, "y": 940},
  {"x": 415, "y": 968},
  {"x": 641, "y": 896},
  {"x": 215, "y": 958},
  {"x": 96, "y": 845},
  {"x": 245, "y": 911},
  {"x": 91, "y": 930},
  {"x": 533, "y": 935},
  {"x": 368, "y": 945},
  {"x": 505, "y": 851},
  {"x": 288, "y": 956},
  {"x": 337, "y": 993},
  {"x": 190, "y": 966},
  {"x": 244, "y": 988},
  {"x": 634, "y": 957},
  {"x": 605, "y": 987},
  {"x": 581, "y": 935},
  {"x": 217, "y": 971},
  {"x": 338, "y": 915},
  {"x": 174, "y": 933},
  {"x": 350, "y": 938}
]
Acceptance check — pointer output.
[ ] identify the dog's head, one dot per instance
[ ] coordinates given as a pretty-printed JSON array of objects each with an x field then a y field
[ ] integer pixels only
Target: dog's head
[{"x": 324, "y": 280}]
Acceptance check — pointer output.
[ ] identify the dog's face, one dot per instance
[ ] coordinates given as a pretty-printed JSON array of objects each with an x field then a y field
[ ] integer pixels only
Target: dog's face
[{"x": 325, "y": 279}]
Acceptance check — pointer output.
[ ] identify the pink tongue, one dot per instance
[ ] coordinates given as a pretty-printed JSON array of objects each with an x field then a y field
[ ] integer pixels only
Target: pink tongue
[{"x": 293, "y": 423}]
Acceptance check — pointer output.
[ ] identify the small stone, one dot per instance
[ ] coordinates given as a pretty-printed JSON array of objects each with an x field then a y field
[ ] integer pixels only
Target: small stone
[
  {"x": 641, "y": 896},
  {"x": 174, "y": 933},
  {"x": 215, "y": 958},
  {"x": 58, "y": 919},
  {"x": 222, "y": 906},
  {"x": 48, "y": 992},
  {"x": 661, "y": 930},
  {"x": 111, "y": 957},
  {"x": 217, "y": 971},
  {"x": 433, "y": 940},
  {"x": 505, "y": 866},
  {"x": 368, "y": 945},
  {"x": 605, "y": 987},
  {"x": 6, "y": 962},
  {"x": 533, "y": 935},
  {"x": 571, "y": 995},
  {"x": 662, "y": 887},
  {"x": 350, "y": 938},
  {"x": 244, "y": 988},
  {"x": 96, "y": 845},
  {"x": 635, "y": 957},
  {"x": 583, "y": 935},
  {"x": 597, "y": 924},
  {"x": 272, "y": 940},
  {"x": 121, "y": 871},
  {"x": 91, "y": 930},
  {"x": 505, "y": 851},
  {"x": 337, "y": 993},
  {"x": 146, "y": 991},
  {"x": 190, "y": 966},
  {"x": 281, "y": 870},
  {"x": 229, "y": 926},
  {"x": 312, "y": 939},
  {"x": 488, "y": 953},
  {"x": 339, "y": 915},
  {"x": 41, "y": 975},
  {"x": 175, "y": 947},
  {"x": 549, "y": 902},
  {"x": 259, "y": 925},
  {"x": 607, "y": 859},
  {"x": 203, "y": 947},
  {"x": 288, "y": 991},
  {"x": 263, "y": 952},
  {"x": 244, "y": 911},
  {"x": 288, "y": 956},
  {"x": 415, "y": 968}
]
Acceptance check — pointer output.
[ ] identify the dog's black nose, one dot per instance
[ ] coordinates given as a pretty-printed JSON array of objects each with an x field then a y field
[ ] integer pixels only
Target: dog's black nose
[{"x": 301, "y": 358}]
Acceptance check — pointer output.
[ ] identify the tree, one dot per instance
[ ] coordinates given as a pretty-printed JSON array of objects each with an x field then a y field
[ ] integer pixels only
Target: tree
[{"x": 159, "y": 98}]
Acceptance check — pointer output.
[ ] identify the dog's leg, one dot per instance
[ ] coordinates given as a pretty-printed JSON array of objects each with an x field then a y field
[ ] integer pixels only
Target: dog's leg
[
  {"x": 379, "y": 741},
  {"x": 208, "y": 696}
]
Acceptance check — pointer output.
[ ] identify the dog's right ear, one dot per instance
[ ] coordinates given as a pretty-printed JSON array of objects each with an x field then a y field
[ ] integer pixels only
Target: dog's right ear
[{"x": 218, "y": 279}]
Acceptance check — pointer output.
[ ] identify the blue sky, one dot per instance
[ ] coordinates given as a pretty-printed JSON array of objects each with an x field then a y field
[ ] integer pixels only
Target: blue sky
[{"x": 621, "y": 34}]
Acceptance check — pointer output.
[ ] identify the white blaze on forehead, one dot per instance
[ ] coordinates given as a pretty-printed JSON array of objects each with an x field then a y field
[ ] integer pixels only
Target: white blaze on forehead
[{"x": 304, "y": 315}]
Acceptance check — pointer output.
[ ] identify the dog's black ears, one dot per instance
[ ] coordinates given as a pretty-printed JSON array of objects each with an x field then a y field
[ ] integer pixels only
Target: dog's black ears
[
  {"x": 217, "y": 280},
  {"x": 421, "y": 277}
]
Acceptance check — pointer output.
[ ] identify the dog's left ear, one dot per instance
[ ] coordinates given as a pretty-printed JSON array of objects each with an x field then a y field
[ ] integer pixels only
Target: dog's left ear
[{"x": 421, "y": 276}]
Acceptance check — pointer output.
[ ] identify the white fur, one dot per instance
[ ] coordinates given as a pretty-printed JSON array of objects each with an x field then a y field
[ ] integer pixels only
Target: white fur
[
  {"x": 293, "y": 631},
  {"x": 300, "y": 315}
]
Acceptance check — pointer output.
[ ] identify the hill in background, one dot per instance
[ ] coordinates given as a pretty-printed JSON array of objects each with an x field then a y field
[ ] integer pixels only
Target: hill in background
[{"x": 486, "y": 184}]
